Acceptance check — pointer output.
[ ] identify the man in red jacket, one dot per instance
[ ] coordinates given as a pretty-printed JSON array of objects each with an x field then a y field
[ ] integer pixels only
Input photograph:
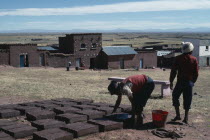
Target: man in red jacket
[
  {"x": 187, "y": 67},
  {"x": 138, "y": 89}
]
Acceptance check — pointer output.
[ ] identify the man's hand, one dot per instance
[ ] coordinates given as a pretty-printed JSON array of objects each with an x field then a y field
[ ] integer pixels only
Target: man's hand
[
  {"x": 171, "y": 86},
  {"x": 114, "y": 111}
]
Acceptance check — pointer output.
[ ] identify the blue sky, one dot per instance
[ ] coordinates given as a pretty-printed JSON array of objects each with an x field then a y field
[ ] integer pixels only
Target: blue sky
[{"x": 103, "y": 14}]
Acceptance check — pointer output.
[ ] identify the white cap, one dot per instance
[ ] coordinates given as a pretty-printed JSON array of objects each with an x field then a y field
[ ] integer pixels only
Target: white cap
[{"x": 187, "y": 47}]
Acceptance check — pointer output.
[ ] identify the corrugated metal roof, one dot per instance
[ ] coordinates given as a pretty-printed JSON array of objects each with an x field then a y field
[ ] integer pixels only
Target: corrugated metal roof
[
  {"x": 48, "y": 48},
  {"x": 118, "y": 50},
  {"x": 204, "y": 42}
]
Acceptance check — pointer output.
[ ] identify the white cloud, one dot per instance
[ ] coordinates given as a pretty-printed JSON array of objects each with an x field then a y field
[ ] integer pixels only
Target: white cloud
[
  {"x": 158, "y": 5},
  {"x": 111, "y": 25}
]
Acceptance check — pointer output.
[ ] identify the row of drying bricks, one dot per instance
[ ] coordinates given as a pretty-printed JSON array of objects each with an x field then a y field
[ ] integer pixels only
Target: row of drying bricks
[{"x": 58, "y": 119}]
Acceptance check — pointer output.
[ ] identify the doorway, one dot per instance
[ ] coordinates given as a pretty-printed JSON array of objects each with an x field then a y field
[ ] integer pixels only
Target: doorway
[
  {"x": 122, "y": 64},
  {"x": 141, "y": 64},
  {"x": 78, "y": 62},
  {"x": 207, "y": 61},
  {"x": 24, "y": 60},
  {"x": 92, "y": 63},
  {"x": 42, "y": 59}
]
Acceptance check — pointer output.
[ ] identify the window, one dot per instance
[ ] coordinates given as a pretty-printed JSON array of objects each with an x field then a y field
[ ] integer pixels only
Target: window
[
  {"x": 207, "y": 48},
  {"x": 83, "y": 46},
  {"x": 94, "y": 45}
]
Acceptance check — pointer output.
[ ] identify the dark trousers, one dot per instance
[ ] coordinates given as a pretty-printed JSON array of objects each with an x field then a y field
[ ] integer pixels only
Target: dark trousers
[
  {"x": 140, "y": 98},
  {"x": 185, "y": 87}
]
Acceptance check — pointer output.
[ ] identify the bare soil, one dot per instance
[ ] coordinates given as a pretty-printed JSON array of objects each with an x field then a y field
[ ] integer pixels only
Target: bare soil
[{"x": 30, "y": 84}]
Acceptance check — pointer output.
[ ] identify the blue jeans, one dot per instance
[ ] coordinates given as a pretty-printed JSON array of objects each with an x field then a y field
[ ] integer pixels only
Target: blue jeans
[
  {"x": 185, "y": 87},
  {"x": 140, "y": 98}
]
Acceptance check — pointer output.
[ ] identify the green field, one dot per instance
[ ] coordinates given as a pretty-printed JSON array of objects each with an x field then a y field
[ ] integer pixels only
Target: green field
[{"x": 136, "y": 39}]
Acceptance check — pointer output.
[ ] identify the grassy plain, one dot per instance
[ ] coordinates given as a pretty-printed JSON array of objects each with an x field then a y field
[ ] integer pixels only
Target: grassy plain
[
  {"x": 138, "y": 40},
  {"x": 48, "y": 83}
]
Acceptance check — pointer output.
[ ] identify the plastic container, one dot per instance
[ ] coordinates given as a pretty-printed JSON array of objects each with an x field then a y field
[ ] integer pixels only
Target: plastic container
[{"x": 159, "y": 118}]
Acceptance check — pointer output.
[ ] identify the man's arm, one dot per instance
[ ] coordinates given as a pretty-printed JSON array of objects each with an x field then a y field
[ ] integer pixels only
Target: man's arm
[
  {"x": 195, "y": 73},
  {"x": 117, "y": 104},
  {"x": 173, "y": 74},
  {"x": 126, "y": 90}
]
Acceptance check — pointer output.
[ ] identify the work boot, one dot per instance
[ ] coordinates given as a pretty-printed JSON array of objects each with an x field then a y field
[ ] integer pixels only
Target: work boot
[{"x": 177, "y": 118}]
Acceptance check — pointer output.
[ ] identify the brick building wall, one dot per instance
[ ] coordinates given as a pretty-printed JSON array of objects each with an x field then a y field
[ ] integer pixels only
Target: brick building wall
[
  {"x": 149, "y": 58},
  {"x": 59, "y": 60},
  {"x": 23, "y": 49},
  {"x": 4, "y": 58},
  {"x": 85, "y": 47},
  {"x": 130, "y": 61}
]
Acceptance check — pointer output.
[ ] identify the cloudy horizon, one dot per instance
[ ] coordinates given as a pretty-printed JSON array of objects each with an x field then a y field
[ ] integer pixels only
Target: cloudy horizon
[{"x": 104, "y": 15}]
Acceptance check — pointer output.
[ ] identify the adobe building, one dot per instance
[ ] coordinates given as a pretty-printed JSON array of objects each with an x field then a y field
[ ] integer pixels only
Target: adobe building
[
  {"x": 79, "y": 49},
  {"x": 121, "y": 57},
  {"x": 19, "y": 55},
  {"x": 83, "y": 47}
]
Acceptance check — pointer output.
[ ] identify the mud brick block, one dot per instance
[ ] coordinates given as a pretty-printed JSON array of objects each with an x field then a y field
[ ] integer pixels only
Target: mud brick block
[
  {"x": 121, "y": 117},
  {"x": 45, "y": 102},
  {"x": 63, "y": 110},
  {"x": 8, "y": 106},
  {"x": 63, "y": 100},
  {"x": 19, "y": 130},
  {"x": 7, "y": 138},
  {"x": 107, "y": 110},
  {"x": 84, "y": 107},
  {"x": 47, "y": 123},
  {"x": 92, "y": 114},
  {"x": 4, "y": 136},
  {"x": 100, "y": 104},
  {"x": 9, "y": 113},
  {"x": 49, "y": 106},
  {"x": 83, "y": 101},
  {"x": 24, "y": 109},
  {"x": 26, "y": 104},
  {"x": 52, "y": 134},
  {"x": 125, "y": 108},
  {"x": 106, "y": 124},
  {"x": 71, "y": 118},
  {"x": 81, "y": 129},
  {"x": 40, "y": 114},
  {"x": 6, "y": 123},
  {"x": 63, "y": 104}
]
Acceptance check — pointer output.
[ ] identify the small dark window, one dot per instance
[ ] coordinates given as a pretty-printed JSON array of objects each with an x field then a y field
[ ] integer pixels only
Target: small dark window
[
  {"x": 207, "y": 47},
  {"x": 83, "y": 46},
  {"x": 94, "y": 45}
]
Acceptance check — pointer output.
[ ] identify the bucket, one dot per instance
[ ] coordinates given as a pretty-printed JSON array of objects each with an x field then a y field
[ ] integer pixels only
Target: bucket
[{"x": 159, "y": 118}]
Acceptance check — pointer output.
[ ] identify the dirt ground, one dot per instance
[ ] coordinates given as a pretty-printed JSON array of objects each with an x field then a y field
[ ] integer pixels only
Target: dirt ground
[{"x": 199, "y": 122}]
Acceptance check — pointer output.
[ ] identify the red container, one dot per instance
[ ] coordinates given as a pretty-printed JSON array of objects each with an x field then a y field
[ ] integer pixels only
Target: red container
[{"x": 159, "y": 118}]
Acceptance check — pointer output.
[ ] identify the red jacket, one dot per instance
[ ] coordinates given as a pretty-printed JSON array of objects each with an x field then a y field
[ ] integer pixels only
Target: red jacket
[
  {"x": 138, "y": 82},
  {"x": 187, "y": 67}
]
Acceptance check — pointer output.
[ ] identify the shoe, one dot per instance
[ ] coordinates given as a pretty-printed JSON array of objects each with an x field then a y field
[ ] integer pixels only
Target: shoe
[
  {"x": 185, "y": 121},
  {"x": 176, "y": 119}
]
